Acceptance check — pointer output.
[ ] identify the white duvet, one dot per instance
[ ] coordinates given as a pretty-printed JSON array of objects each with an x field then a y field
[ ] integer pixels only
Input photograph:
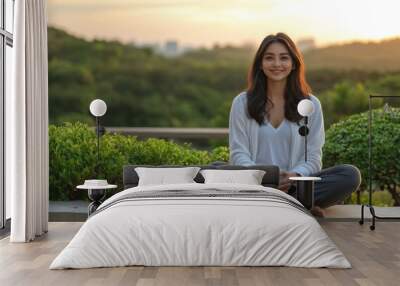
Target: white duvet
[{"x": 200, "y": 231}]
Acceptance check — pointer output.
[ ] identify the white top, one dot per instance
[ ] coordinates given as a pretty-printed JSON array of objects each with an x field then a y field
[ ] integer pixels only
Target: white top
[
  {"x": 305, "y": 178},
  {"x": 274, "y": 145},
  {"x": 244, "y": 143},
  {"x": 93, "y": 187}
]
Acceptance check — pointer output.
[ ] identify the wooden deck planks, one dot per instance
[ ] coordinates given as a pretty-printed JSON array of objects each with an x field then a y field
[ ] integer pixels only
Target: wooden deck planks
[{"x": 375, "y": 257}]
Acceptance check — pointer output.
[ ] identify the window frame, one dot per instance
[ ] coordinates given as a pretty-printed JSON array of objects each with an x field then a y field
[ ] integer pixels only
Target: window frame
[{"x": 6, "y": 39}]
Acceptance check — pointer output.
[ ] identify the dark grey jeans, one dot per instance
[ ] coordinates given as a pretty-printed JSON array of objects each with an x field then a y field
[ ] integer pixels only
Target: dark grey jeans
[{"x": 337, "y": 183}]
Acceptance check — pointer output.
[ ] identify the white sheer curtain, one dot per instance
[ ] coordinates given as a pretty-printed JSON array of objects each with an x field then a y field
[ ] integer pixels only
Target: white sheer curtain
[{"x": 27, "y": 124}]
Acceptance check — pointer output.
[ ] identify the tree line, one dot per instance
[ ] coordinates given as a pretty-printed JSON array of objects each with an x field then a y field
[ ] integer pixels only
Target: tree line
[{"x": 142, "y": 88}]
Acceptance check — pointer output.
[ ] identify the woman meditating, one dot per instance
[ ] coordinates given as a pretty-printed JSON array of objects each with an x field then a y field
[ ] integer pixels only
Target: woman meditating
[{"x": 264, "y": 124}]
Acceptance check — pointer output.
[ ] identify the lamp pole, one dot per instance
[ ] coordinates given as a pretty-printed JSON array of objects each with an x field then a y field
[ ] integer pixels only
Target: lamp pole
[
  {"x": 98, "y": 146},
  {"x": 305, "y": 138},
  {"x": 370, "y": 166},
  {"x": 305, "y": 108},
  {"x": 98, "y": 108},
  {"x": 305, "y": 185}
]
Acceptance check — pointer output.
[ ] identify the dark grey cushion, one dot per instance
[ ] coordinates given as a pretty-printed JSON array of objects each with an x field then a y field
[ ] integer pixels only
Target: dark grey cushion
[{"x": 270, "y": 179}]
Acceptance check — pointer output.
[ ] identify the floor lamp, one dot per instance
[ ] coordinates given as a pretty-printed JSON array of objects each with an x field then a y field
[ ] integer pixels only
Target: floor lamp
[
  {"x": 369, "y": 205},
  {"x": 98, "y": 108},
  {"x": 97, "y": 187},
  {"x": 305, "y": 185}
]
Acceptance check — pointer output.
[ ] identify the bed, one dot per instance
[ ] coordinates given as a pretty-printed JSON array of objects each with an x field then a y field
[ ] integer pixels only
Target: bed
[{"x": 198, "y": 224}]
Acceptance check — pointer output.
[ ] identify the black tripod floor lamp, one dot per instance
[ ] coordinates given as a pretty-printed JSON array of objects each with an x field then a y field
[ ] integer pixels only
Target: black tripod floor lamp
[{"x": 369, "y": 205}]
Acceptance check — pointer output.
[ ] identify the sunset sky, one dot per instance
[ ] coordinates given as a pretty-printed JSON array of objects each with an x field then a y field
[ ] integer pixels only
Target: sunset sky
[{"x": 206, "y": 22}]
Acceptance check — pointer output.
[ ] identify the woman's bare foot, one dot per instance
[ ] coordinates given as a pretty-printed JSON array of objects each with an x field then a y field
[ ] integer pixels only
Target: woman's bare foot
[{"x": 317, "y": 211}]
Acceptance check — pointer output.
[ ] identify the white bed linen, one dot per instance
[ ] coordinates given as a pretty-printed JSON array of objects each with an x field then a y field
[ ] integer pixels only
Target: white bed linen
[{"x": 200, "y": 231}]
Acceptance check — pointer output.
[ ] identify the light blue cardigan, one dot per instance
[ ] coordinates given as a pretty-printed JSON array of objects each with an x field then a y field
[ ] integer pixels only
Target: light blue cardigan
[{"x": 243, "y": 138}]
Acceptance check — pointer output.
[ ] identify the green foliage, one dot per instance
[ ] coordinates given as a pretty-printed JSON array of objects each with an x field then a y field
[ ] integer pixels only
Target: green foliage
[
  {"x": 72, "y": 150},
  {"x": 73, "y": 157},
  {"x": 324, "y": 79},
  {"x": 140, "y": 87},
  {"x": 344, "y": 99},
  {"x": 196, "y": 89},
  {"x": 387, "y": 85},
  {"x": 380, "y": 199},
  {"x": 378, "y": 56},
  {"x": 347, "y": 142},
  {"x": 220, "y": 153}
]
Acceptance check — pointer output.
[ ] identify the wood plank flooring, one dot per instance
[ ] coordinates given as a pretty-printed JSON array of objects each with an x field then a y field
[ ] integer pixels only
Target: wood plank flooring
[{"x": 375, "y": 257}]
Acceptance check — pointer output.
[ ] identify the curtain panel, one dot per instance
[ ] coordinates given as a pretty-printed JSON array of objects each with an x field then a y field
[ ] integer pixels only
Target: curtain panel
[{"x": 27, "y": 160}]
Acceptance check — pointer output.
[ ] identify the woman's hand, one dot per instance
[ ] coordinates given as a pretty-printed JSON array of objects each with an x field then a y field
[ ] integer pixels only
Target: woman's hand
[{"x": 284, "y": 182}]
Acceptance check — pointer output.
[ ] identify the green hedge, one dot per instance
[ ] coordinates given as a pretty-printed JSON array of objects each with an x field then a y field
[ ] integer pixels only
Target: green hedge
[
  {"x": 347, "y": 142},
  {"x": 73, "y": 154},
  {"x": 72, "y": 149},
  {"x": 381, "y": 198}
]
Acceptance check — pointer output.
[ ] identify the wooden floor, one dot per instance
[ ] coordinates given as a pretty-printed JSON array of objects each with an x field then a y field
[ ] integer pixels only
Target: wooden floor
[{"x": 375, "y": 256}]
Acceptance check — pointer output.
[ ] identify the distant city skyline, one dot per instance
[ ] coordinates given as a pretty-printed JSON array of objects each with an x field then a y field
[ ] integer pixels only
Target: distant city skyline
[{"x": 209, "y": 22}]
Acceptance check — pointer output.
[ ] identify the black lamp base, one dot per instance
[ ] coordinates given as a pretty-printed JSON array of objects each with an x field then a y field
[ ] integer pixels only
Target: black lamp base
[
  {"x": 96, "y": 196},
  {"x": 305, "y": 193},
  {"x": 374, "y": 216}
]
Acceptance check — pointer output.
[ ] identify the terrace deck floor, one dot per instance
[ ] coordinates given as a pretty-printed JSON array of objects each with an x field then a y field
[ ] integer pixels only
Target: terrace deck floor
[{"x": 374, "y": 255}]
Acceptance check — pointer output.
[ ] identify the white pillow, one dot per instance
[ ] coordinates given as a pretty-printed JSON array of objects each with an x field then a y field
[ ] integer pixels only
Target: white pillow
[
  {"x": 165, "y": 176},
  {"x": 248, "y": 177}
]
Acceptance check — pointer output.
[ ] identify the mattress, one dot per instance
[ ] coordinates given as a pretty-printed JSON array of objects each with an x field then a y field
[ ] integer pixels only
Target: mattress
[{"x": 201, "y": 225}]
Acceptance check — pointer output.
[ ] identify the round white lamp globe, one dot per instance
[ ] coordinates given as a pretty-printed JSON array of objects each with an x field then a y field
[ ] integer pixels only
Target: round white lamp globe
[
  {"x": 98, "y": 107},
  {"x": 305, "y": 107}
]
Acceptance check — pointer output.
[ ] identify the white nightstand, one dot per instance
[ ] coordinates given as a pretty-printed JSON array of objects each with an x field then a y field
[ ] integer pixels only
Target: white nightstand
[
  {"x": 305, "y": 190},
  {"x": 96, "y": 192}
]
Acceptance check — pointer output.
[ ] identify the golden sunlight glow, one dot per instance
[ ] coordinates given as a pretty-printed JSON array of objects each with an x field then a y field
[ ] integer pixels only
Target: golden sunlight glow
[{"x": 227, "y": 21}]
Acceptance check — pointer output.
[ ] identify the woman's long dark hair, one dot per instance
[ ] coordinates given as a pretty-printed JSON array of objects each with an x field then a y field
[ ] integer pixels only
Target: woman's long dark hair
[{"x": 296, "y": 89}]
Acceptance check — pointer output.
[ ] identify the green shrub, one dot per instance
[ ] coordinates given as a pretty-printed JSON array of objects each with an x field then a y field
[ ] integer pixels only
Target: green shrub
[
  {"x": 72, "y": 151},
  {"x": 73, "y": 154},
  {"x": 220, "y": 153},
  {"x": 347, "y": 142},
  {"x": 381, "y": 199}
]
